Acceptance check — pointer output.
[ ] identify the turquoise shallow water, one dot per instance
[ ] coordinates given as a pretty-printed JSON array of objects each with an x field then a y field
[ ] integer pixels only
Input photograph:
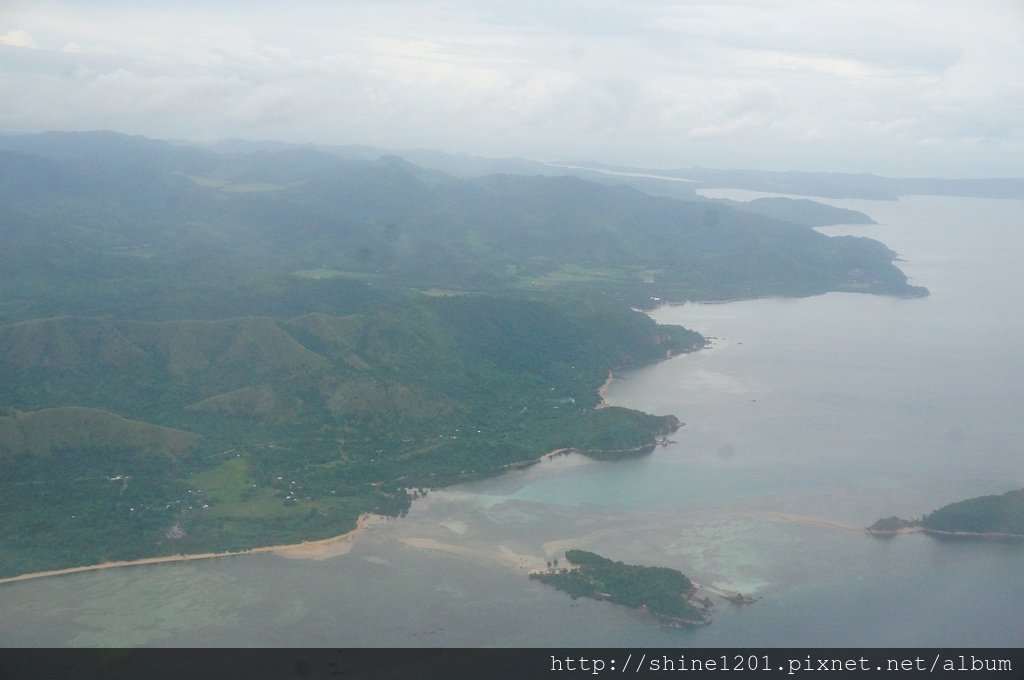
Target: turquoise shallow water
[{"x": 805, "y": 420}]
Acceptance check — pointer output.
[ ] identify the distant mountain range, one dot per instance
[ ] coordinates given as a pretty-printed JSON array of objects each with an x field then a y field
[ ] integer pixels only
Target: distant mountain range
[
  {"x": 667, "y": 181},
  {"x": 821, "y": 184}
]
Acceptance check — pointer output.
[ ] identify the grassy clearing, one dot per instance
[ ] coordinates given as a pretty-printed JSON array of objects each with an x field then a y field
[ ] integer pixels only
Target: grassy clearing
[
  {"x": 574, "y": 274},
  {"x": 229, "y": 490},
  {"x": 226, "y": 482}
]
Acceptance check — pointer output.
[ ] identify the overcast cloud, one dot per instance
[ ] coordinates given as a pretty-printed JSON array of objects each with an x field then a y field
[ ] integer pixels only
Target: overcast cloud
[{"x": 898, "y": 88}]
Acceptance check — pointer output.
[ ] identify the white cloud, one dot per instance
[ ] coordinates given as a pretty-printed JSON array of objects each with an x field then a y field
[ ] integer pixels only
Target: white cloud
[{"x": 17, "y": 39}]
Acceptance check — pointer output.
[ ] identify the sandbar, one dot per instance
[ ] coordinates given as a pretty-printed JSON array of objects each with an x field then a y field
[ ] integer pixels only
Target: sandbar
[
  {"x": 503, "y": 555},
  {"x": 552, "y": 548}
]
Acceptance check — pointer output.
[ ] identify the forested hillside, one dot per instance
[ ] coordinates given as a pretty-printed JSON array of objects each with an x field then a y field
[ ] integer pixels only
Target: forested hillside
[
  {"x": 206, "y": 351},
  {"x": 1002, "y": 514}
]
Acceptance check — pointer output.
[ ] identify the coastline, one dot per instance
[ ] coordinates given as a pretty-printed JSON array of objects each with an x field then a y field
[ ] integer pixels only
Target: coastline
[
  {"x": 603, "y": 403},
  {"x": 339, "y": 545},
  {"x": 555, "y": 453},
  {"x": 942, "y": 532},
  {"x": 319, "y": 549}
]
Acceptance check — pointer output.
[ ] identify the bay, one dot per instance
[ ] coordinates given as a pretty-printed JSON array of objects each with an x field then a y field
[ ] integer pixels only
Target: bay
[{"x": 806, "y": 420}]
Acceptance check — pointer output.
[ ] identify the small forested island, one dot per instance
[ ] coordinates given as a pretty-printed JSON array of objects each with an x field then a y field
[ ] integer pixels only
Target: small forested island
[
  {"x": 666, "y": 593},
  {"x": 1001, "y": 515}
]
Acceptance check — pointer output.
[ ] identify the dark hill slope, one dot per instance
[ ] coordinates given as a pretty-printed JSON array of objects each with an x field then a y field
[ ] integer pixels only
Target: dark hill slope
[
  {"x": 48, "y": 432},
  {"x": 984, "y": 514},
  {"x": 347, "y": 374}
]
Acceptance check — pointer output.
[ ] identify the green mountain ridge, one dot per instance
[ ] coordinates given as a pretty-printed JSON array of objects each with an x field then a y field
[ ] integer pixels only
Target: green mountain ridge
[{"x": 163, "y": 224}]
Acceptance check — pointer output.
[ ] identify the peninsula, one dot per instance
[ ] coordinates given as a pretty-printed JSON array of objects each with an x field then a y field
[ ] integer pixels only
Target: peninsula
[{"x": 1001, "y": 515}]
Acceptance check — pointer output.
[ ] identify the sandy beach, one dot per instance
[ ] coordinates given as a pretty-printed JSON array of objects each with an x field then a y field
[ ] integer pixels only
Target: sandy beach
[
  {"x": 319, "y": 550},
  {"x": 554, "y": 453},
  {"x": 603, "y": 389}
]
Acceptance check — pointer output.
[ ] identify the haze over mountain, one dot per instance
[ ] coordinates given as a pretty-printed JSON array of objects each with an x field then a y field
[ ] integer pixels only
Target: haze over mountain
[
  {"x": 915, "y": 90},
  {"x": 146, "y": 211},
  {"x": 678, "y": 182}
]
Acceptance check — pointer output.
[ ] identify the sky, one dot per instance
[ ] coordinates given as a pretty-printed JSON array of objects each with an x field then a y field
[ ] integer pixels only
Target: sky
[{"x": 893, "y": 87}]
